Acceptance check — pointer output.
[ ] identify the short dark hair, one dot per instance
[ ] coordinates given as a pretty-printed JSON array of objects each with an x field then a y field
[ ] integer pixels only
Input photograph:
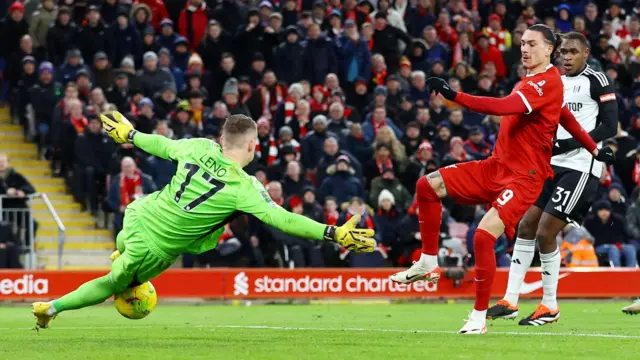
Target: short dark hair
[
  {"x": 576, "y": 36},
  {"x": 238, "y": 125}
]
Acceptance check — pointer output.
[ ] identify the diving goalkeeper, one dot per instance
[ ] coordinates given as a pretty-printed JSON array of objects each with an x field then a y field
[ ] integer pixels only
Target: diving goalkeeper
[{"x": 208, "y": 190}]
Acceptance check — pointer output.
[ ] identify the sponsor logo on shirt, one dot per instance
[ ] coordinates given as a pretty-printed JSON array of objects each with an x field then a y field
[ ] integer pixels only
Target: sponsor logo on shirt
[
  {"x": 607, "y": 97},
  {"x": 537, "y": 87}
]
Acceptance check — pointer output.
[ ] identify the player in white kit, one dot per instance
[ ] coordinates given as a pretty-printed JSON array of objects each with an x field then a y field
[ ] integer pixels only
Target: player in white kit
[{"x": 590, "y": 95}]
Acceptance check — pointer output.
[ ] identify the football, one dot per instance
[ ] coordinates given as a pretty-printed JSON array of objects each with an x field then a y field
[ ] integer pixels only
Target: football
[{"x": 136, "y": 302}]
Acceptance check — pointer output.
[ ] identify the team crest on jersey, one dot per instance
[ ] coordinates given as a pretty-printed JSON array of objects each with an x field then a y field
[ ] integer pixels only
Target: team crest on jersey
[{"x": 537, "y": 87}]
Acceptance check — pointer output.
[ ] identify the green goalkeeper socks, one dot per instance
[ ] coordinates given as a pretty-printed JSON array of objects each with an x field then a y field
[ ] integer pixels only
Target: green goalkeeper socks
[{"x": 90, "y": 293}]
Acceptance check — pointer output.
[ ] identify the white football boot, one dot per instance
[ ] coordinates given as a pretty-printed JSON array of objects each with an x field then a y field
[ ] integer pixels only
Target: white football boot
[{"x": 417, "y": 272}]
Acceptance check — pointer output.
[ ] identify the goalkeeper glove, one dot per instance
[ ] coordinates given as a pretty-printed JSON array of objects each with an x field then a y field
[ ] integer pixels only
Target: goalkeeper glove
[
  {"x": 117, "y": 127},
  {"x": 352, "y": 239}
]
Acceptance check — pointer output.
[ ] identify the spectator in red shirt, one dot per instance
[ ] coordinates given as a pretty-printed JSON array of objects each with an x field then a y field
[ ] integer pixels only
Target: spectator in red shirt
[
  {"x": 445, "y": 31},
  {"x": 193, "y": 27},
  {"x": 490, "y": 54}
]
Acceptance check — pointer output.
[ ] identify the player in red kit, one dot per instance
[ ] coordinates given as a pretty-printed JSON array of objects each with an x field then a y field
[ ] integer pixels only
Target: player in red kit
[{"x": 511, "y": 179}]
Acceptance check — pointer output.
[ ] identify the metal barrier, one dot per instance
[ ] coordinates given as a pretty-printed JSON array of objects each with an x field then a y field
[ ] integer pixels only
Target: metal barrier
[{"x": 22, "y": 223}]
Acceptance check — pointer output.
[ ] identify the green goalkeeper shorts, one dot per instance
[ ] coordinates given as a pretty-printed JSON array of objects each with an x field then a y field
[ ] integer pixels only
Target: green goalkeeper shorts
[{"x": 137, "y": 264}]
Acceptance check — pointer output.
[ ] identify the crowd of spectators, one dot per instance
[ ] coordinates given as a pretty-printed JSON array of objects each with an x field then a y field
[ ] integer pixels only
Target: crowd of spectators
[{"x": 337, "y": 87}]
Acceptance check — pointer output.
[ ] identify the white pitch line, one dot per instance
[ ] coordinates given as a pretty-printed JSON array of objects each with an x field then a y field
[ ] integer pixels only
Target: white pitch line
[{"x": 289, "y": 328}]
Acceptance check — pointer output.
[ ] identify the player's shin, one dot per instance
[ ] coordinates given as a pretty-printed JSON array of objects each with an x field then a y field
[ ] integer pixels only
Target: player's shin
[
  {"x": 429, "y": 217},
  {"x": 483, "y": 243},
  {"x": 90, "y": 293},
  {"x": 523, "y": 253},
  {"x": 550, "y": 273}
]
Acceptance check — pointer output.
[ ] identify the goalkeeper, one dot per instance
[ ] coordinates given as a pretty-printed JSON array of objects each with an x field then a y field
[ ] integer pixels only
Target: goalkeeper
[{"x": 208, "y": 190}]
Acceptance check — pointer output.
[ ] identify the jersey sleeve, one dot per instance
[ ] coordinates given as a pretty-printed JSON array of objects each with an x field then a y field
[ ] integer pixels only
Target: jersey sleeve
[
  {"x": 166, "y": 148},
  {"x": 254, "y": 199},
  {"x": 604, "y": 93},
  {"x": 535, "y": 93}
]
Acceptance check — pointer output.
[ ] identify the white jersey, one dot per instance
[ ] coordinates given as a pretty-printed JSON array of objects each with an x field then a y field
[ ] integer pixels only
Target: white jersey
[{"x": 583, "y": 94}]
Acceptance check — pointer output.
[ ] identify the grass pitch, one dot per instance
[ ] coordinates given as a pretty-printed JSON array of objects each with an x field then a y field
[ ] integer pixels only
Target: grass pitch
[{"x": 589, "y": 330}]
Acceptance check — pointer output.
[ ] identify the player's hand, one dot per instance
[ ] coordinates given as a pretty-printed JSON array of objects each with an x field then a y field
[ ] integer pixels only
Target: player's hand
[
  {"x": 606, "y": 155},
  {"x": 561, "y": 147},
  {"x": 439, "y": 86},
  {"x": 352, "y": 239},
  {"x": 117, "y": 126}
]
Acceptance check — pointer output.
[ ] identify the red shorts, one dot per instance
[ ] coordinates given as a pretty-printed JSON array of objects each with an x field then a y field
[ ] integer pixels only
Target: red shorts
[{"x": 490, "y": 182}]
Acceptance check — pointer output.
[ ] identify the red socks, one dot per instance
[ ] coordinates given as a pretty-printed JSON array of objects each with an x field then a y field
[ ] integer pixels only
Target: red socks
[
  {"x": 483, "y": 245},
  {"x": 429, "y": 216}
]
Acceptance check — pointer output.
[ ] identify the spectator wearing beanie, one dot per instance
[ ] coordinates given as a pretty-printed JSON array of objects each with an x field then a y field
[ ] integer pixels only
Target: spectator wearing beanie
[
  {"x": 145, "y": 122},
  {"x": 610, "y": 232},
  {"x": 394, "y": 17},
  {"x": 215, "y": 42},
  {"x": 165, "y": 101},
  {"x": 310, "y": 207},
  {"x": 278, "y": 168},
  {"x": 181, "y": 53},
  {"x": 285, "y": 137},
  {"x": 476, "y": 145},
  {"x": 248, "y": 39},
  {"x": 61, "y": 37},
  {"x": 103, "y": 74},
  {"x": 354, "y": 54},
  {"x": 387, "y": 219},
  {"x": 119, "y": 94},
  {"x": 166, "y": 34},
  {"x": 39, "y": 23},
  {"x": 498, "y": 37},
  {"x": 165, "y": 61},
  {"x": 72, "y": 66},
  {"x": 617, "y": 198},
  {"x": 319, "y": 57},
  {"x": 93, "y": 150},
  {"x": 313, "y": 142},
  {"x": 94, "y": 36},
  {"x": 181, "y": 123},
  {"x": 457, "y": 154},
  {"x": 289, "y": 57},
  {"x": 124, "y": 34},
  {"x": 331, "y": 151},
  {"x": 388, "y": 181},
  {"x": 412, "y": 138},
  {"x": 148, "y": 40},
  {"x": 13, "y": 28},
  {"x": 152, "y": 77},
  {"x": 341, "y": 182},
  {"x": 44, "y": 97},
  {"x": 418, "y": 165},
  {"x": 231, "y": 98}
]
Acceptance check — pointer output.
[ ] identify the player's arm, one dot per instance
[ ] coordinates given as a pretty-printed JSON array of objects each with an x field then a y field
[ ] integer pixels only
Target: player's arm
[
  {"x": 157, "y": 145},
  {"x": 569, "y": 123},
  {"x": 514, "y": 103},
  {"x": 119, "y": 128},
  {"x": 256, "y": 201},
  {"x": 607, "y": 120}
]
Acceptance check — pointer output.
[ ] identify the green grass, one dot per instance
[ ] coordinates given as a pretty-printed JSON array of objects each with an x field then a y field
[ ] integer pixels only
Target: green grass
[{"x": 589, "y": 330}]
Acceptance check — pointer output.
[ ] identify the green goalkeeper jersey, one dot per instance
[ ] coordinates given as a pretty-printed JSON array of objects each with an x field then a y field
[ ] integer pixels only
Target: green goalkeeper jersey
[{"x": 207, "y": 191}]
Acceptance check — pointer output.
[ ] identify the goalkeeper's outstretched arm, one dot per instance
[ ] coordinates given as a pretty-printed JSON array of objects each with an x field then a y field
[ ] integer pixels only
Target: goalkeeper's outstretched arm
[
  {"x": 157, "y": 145},
  {"x": 258, "y": 203}
]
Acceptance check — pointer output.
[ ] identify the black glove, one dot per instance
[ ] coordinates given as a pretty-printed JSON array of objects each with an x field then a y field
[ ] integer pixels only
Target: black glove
[
  {"x": 561, "y": 147},
  {"x": 606, "y": 155},
  {"x": 441, "y": 87}
]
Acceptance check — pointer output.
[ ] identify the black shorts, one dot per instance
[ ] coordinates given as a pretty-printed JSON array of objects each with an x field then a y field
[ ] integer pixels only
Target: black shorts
[{"x": 569, "y": 195}]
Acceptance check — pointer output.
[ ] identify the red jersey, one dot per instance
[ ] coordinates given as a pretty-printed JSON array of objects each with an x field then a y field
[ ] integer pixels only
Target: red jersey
[{"x": 525, "y": 141}]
